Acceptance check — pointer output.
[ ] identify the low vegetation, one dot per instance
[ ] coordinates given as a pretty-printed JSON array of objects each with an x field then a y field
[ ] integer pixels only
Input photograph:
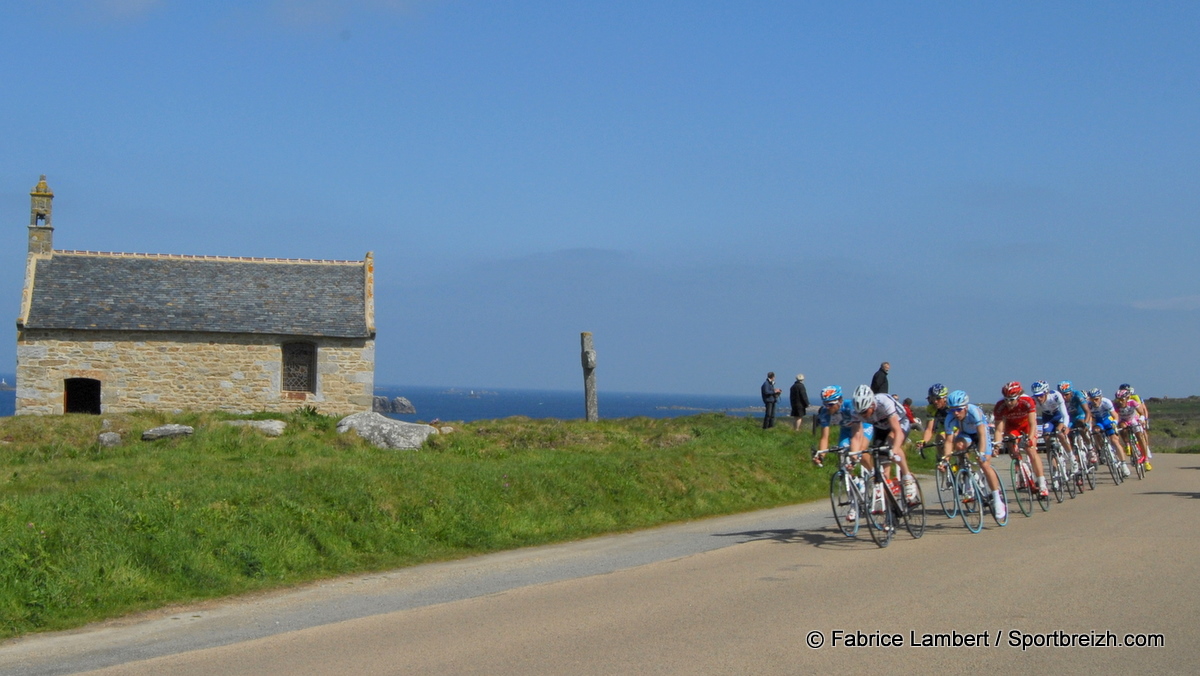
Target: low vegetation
[
  {"x": 94, "y": 532},
  {"x": 1175, "y": 424}
]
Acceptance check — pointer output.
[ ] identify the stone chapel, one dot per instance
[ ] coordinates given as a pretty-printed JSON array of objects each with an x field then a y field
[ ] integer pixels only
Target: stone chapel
[{"x": 114, "y": 332}]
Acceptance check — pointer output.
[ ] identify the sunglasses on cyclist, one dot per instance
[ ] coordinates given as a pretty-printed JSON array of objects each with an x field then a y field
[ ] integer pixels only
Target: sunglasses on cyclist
[{"x": 957, "y": 409}]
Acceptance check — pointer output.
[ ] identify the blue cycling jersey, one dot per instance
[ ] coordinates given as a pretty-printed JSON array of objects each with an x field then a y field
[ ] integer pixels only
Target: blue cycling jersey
[
  {"x": 1076, "y": 404},
  {"x": 973, "y": 424}
]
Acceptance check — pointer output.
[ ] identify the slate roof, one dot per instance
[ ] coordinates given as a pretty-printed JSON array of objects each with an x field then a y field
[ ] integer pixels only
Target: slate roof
[{"x": 146, "y": 292}]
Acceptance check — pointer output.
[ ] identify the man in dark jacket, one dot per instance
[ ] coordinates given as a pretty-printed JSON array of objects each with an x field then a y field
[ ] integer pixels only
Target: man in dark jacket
[
  {"x": 879, "y": 383},
  {"x": 770, "y": 395},
  {"x": 799, "y": 398}
]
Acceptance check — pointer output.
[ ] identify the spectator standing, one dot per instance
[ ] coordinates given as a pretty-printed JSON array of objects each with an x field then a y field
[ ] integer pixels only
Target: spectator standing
[
  {"x": 879, "y": 382},
  {"x": 799, "y": 398},
  {"x": 770, "y": 395}
]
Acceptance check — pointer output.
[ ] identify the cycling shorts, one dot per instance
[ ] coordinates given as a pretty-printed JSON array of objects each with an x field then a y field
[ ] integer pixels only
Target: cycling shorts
[
  {"x": 1054, "y": 418},
  {"x": 1018, "y": 428},
  {"x": 975, "y": 443},
  {"x": 1106, "y": 425}
]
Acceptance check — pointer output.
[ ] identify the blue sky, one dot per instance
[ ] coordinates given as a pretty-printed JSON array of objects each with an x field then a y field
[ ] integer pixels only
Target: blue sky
[{"x": 977, "y": 192}]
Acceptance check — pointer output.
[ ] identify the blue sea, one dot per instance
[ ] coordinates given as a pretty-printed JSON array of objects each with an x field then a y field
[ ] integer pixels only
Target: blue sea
[{"x": 467, "y": 404}]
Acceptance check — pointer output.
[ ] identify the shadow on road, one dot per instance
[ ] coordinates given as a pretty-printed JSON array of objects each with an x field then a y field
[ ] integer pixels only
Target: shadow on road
[
  {"x": 830, "y": 537},
  {"x": 1178, "y": 494}
]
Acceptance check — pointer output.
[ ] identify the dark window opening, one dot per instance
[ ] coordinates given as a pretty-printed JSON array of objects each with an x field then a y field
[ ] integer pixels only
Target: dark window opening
[
  {"x": 81, "y": 395},
  {"x": 300, "y": 367}
]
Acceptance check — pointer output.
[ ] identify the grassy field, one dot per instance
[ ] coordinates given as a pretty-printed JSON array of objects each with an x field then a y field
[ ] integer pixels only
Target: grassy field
[{"x": 94, "y": 532}]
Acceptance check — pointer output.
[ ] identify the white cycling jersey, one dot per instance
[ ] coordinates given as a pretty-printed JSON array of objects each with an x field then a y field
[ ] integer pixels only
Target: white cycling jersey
[
  {"x": 1054, "y": 404},
  {"x": 886, "y": 406}
]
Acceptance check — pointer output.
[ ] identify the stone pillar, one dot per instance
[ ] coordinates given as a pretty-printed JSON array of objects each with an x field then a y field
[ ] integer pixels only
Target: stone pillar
[{"x": 588, "y": 357}]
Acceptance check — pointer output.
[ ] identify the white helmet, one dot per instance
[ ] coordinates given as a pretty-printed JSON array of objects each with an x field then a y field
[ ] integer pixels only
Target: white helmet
[{"x": 864, "y": 398}]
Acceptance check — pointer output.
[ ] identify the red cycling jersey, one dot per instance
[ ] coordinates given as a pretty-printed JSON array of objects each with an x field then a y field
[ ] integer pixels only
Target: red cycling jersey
[{"x": 1016, "y": 414}]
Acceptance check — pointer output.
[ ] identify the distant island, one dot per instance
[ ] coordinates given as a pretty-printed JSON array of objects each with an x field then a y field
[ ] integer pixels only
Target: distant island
[{"x": 4, "y": 386}]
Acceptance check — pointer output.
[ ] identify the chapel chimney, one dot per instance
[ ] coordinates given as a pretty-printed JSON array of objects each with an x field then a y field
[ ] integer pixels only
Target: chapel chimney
[{"x": 41, "y": 231}]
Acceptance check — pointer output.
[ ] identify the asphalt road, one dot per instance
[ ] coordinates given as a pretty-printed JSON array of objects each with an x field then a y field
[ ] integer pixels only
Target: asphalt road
[{"x": 740, "y": 595}]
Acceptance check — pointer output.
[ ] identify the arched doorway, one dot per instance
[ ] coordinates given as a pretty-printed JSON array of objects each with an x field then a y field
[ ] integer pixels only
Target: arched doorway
[{"x": 81, "y": 395}]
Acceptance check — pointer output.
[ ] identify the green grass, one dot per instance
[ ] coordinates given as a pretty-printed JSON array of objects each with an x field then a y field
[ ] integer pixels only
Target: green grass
[
  {"x": 1175, "y": 425},
  {"x": 97, "y": 532}
]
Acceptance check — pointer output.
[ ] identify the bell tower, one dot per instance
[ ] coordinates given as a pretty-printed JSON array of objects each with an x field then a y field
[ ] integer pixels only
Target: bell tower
[{"x": 41, "y": 230}]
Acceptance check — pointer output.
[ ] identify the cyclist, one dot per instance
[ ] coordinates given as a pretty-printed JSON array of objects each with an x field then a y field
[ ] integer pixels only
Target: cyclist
[
  {"x": 1077, "y": 410},
  {"x": 935, "y": 412},
  {"x": 836, "y": 411},
  {"x": 1053, "y": 411},
  {"x": 885, "y": 413},
  {"x": 1016, "y": 414},
  {"x": 1103, "y": 415},
  {"x": 967, "y": 429},
  {"x": 1129, "y": 415},
  {"x": 1145, "y": 413}
]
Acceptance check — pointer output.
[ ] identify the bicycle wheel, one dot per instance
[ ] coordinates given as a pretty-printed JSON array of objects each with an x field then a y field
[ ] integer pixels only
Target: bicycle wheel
[
  {"x": 1089, "y": 470},
  {"x": 1003, "y": 499},
  {"x": 1139, "y": 463},
  {"x": 1057, "y": 475},
  {"x": 1081, "y": 467},
  {"x": 844, "y": 500},
  {"x": 881, "y": 521},
  {"x": 945, "y": 492},
  {"x": 970, "y": 499},
  {"x": 1018, "y": 473},
  {"x": 1114, "y": 468},
  {"x": 914, "y": 514},
  {"x": 1070, "y": 473}
]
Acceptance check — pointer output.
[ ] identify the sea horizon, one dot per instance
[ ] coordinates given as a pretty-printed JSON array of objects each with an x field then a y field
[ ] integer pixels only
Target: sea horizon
[{"x": 465, "y": 403}]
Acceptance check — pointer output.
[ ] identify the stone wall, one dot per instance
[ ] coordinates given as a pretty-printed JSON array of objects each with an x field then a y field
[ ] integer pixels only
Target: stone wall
[{"x": 188, "y": 371}]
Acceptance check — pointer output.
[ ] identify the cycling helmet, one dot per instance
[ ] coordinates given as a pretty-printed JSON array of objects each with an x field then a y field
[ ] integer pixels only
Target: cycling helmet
[
  {"x": 864, "y": 398},
  {"x": 1011, "y": 390},
  {"x": 1064, "y": 386},
  {"x": 1123, "y": 393},
  {"x": 1124, "y": 386},
  {"x": 831, "y": 394},
  {"x": 1039, "y": 387},
  {"x": 1095, "y": 393},
  {"x": 938, "y": 390},
  {"x": 958, "y": 398}
]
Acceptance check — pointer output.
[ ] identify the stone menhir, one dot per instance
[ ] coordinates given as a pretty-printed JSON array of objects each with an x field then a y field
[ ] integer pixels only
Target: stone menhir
[{"x": 116, "y": 332}]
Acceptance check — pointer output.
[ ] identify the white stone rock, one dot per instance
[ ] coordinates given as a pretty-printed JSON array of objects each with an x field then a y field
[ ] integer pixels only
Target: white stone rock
[
  {"x": 166, "y": 431},
  {"x": 109, "y": 439},
  {"x": 383, "y": 432}
]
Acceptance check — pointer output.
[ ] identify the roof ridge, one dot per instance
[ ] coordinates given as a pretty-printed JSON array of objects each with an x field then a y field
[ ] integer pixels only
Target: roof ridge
[{"x": 233, "y": 259}]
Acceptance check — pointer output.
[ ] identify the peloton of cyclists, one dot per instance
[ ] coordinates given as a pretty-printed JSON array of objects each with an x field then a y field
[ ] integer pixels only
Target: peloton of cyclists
[
  {"x": 885, "y": 413},
  {"x": 1016, "y": 414},
  {"x": 967, "y": 429}
]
